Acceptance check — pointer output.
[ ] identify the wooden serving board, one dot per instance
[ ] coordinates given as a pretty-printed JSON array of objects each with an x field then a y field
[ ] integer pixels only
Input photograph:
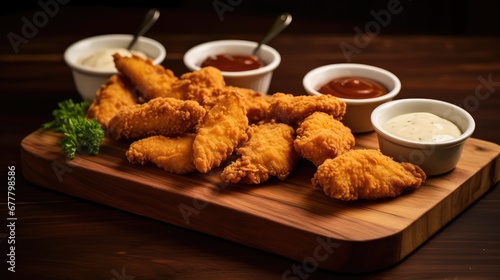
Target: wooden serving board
[{"x": 289, "y": 218}]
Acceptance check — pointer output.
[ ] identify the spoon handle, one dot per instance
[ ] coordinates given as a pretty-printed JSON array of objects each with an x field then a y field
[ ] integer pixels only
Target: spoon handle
[
  {"x": 281, "y": 23},
  {"x": 148, "y": 21}
]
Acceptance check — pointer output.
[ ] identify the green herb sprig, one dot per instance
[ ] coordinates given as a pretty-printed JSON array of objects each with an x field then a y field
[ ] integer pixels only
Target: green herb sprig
[
  {"x": 81, "y": 135},
  {"x": 67, "y": 110}
]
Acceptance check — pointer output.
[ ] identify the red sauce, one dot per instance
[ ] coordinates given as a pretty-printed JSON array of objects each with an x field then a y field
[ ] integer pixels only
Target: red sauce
[
  {"x": 353, "y": 88},
  {"x": 233, "y": 63}
]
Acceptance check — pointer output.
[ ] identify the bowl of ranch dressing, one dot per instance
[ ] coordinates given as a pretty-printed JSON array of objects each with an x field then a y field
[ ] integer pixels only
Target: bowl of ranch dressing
[
  {"x": 426, "y": 132},
  {"x": 91, "y": 59}
]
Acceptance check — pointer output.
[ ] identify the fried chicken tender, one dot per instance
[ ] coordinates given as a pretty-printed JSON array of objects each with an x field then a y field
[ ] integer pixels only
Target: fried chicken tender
[
  {"x": 113, "y": 96},
  {"x": 150, "y": 80},
  {"x": 222, "y": 130},
  {"x": 290, "y": 109},
  {"x": 366, "y": 174},
  {"x": 320, "y": 136},
  {"x": 172, "y": 154},
  {"x": 198, "y": 85},
  {"x": 256, "y": 104},
  {"x": 160, "y": 116},
  {"x": 268, "y": 152}
]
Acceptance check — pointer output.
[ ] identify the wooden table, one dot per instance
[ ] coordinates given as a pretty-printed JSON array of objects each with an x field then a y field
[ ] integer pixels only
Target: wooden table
[{"x": 62, "y": 237}]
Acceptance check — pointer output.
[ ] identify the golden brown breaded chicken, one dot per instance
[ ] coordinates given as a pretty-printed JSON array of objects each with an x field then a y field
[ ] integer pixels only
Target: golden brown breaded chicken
[
  {"x": 113, "y": 96},
  {"x": 198, "y": 85},
  {"x": 268, "y": 152},
  {"x": 256, "y": 104},
  {"x": 366, "y": 174},
  {"x": 160, "y": 116},
  {"x": 173, "y": 154},
  {"x": 150, "y": 80},
  {"x": 222, "y": 130},
  {"x": 320, "y": 136},
  {"x": 209, "y": 77},
  {"x": 290, "y": 109}
]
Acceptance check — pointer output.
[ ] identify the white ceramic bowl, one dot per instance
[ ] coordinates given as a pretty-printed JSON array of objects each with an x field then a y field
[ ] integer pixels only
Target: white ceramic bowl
[
  {"x": 89, "y": 79},
  {"x": 434, "y": 158},
  {"x": 258, "y": 79},
  {"x": 358, "y": 111}
]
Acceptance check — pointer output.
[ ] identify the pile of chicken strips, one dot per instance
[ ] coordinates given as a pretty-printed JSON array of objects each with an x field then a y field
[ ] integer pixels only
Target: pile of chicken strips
[{"x": 195, "y": 123}]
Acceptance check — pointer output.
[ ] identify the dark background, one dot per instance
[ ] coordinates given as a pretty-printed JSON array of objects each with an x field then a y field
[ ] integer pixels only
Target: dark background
[{"x": 460, "y": 17}]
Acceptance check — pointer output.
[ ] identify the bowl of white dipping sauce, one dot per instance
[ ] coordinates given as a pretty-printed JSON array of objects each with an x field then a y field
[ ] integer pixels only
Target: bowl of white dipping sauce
[
  {"x": 103, "y": 58},
  {"x": 91, "y": 59},
  {"x": 426, "y": 132}
]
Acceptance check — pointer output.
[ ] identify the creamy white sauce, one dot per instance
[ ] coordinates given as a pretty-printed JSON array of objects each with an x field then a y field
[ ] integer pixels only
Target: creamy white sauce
[
  {"x": 422, "y": 127},
  {"x": 103, "y": 59}
]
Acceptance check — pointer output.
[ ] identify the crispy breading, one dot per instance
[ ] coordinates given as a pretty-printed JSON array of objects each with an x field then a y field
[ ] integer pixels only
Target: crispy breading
[
  {"x": 291, "y": 109},
  {"x": 320, "y": 136},
  {"x": 160, "y": 116},
  {"x": 268, "y": 152},
  {"x": 256, "y": 104},
  {"x": 222, "y": 130},
  {"x": 172, "y": 154},
  {"x": 150, "y": 80},
  {"x": 198, "y": 85},
  {"x": 113, "y": 96},
  {"x": 366, "y": 174}
]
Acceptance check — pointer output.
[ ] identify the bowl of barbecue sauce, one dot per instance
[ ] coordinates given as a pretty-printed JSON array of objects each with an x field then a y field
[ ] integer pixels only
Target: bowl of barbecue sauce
[
  {"x": 233, "y": 63},
  {"x": 362, "y": 87},
  {"x": 235, "y": 60},
  {"x": 353, "y": 88}
]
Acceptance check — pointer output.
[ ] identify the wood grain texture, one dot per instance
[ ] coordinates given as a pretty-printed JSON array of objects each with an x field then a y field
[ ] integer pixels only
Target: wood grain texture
[{"x": 288, "y": 218}]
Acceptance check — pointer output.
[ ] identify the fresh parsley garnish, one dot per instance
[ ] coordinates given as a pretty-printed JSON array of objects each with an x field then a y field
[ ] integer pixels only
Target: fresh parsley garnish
[
  {"x": 67, "y": 110},
  {"x": 81, "y": 135}
]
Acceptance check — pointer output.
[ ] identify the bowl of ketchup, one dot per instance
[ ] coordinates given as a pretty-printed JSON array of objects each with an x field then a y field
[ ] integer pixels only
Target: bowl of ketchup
[
  {"x": 237, "y": 64},
  {"x": 362, "y": 87}
]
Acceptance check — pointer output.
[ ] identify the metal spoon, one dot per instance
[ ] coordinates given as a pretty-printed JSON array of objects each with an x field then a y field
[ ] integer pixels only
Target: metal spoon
[
  {"x": 282, "y": 21},
  {"x": 148, "y": 21}
]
